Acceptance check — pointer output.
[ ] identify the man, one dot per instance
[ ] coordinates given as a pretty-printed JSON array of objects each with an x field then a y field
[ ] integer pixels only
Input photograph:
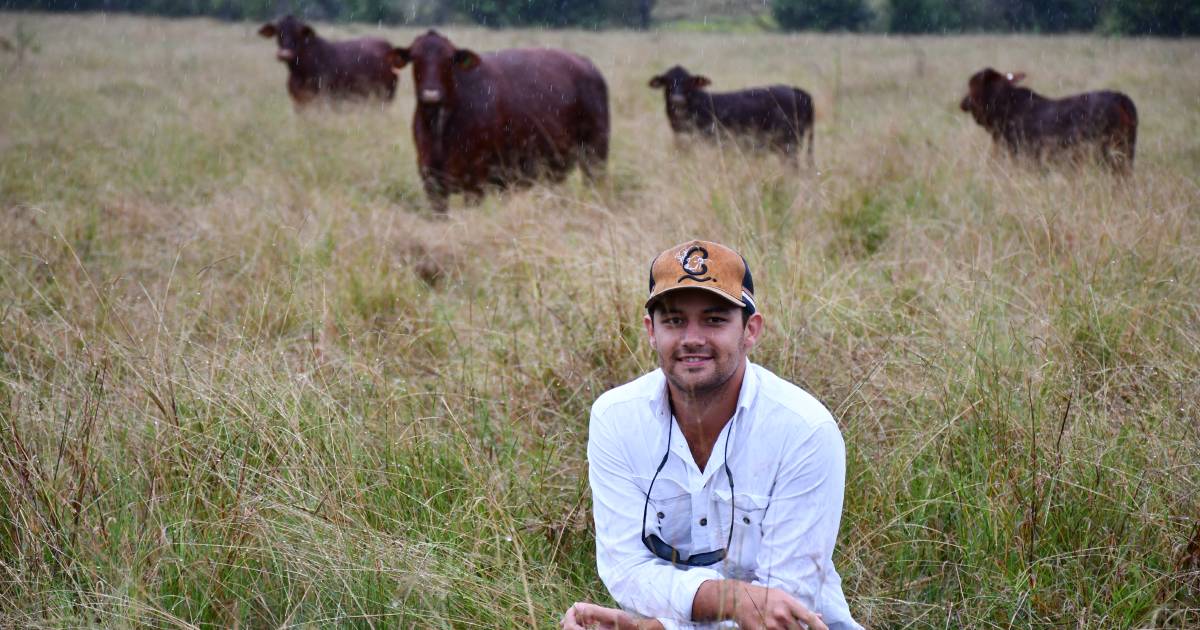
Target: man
[{"x": 717, "y": 486}]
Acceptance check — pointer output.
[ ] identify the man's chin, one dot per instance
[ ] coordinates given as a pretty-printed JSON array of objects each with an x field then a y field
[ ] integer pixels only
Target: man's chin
[{"x": 692, "y": 383}]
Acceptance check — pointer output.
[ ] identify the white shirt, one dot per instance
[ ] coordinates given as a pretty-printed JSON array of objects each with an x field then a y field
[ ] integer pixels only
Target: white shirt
[{"x": 789, "y": 473}]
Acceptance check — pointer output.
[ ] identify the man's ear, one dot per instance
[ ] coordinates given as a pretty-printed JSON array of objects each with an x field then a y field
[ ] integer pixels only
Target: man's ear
[
  {"x": 754, "y": 328},
  {"x": 399, "y": 57},
  {"x": 657, "y": 82},
  {"x": 648, "y": 322},
  {"x": 700, "y": 82},
  {"x": 465, "y": 59},
  {"x": 268, "y": 30}
]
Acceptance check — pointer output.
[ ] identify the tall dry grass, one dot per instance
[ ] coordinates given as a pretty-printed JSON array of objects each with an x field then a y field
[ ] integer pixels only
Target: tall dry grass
[{"x": 247, "y": 379}]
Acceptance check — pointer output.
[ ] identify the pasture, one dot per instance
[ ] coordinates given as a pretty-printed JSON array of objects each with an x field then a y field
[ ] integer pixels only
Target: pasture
[{"x": 248, "y": 379}]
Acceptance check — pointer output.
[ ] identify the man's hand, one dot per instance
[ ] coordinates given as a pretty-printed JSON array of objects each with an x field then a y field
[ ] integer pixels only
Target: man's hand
[
  {"x": 752, "y": 607},
  {"x": 585, "y": 616}
]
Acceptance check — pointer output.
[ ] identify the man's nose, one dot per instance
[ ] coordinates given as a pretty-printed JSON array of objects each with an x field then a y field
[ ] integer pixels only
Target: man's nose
[{"x": 693, "y": 335}]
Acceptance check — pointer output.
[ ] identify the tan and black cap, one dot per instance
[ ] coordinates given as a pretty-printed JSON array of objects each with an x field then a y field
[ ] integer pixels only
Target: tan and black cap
[{"x": 702, "y": 265}]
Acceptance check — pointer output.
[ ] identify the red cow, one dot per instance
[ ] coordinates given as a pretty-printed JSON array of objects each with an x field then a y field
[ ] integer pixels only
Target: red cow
[
  {"x": 502, "y": 118},
  {"x": 1027, "y": 123},
  {"x": 356, "y": 68}
]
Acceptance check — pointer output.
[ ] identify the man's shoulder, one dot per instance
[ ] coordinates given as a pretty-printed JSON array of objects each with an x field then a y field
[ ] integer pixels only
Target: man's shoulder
[
  {"x": 637, "y": 391},
  {"x": 782, "y": 402}
]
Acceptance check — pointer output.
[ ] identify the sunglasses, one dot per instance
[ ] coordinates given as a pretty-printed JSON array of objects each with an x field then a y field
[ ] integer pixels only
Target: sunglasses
[{"x": 660, "y": 548}]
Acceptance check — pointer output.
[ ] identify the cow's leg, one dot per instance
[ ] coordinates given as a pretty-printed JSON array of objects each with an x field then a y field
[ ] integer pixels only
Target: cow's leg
[
  {"x": 473, "y": 195},
  {"x": 811, "y": 133},
  {"x": 437, "y": 194},
  {"x": 789, "y": 149},
  {"x": 1117, "y": 152},
  {"x": 592, "y": 154}
]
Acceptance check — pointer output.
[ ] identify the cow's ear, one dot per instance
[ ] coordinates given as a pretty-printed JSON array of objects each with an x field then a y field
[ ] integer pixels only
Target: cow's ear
[
  {"x": 657, "y": 82},
  {"x": 399, "y": 57},
  {"x": 268, "y": 30},
  {"x": 307, "y": 32},
  {"x": 465, "y": 59},
  {"x": 700, "y": 81},
  {"x": 1016, "y": 77}
]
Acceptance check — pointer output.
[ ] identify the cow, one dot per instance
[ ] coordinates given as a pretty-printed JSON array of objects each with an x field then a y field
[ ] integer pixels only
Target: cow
[
  {"x": 353, "y": 69},
  {"x": 779, "y": 115},
  {"x": 1028, "y": 124},
  {"x": 502, "y": 118}
]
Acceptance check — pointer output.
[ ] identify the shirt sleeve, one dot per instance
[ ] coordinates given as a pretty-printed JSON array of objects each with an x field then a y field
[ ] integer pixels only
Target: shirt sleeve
[
  {"x": 639, "y": 581},
  {"x": 800, "y": 526}
]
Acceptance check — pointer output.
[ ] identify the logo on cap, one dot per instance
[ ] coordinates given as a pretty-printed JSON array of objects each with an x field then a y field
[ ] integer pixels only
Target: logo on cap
[{"x": 694, "y": 261}]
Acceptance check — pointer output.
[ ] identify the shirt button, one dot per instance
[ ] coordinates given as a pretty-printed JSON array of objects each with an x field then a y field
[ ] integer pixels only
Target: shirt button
[
  {"x": 746, "y": 520},
  {"x": 703, "y": 522},
  {"x": 660, "y": 516}
]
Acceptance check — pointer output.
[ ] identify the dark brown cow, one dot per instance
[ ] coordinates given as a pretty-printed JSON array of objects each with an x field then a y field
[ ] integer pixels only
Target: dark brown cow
[
  {"x": 779, "y": 115},
  {"x": 1027, "y": 123},
  {"x": 356, "y": 68},
  {"x": 502, "y": 118}
]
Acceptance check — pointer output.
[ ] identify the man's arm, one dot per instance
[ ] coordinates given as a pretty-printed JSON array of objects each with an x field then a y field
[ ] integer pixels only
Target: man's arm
[
  {"x": 799, "y": 531},
  {"x": 800, "y": 526},
  {"x": 753, "y": 607},
  {"x": 585, "y": 616},
  {"x": 639, "y": 581}
]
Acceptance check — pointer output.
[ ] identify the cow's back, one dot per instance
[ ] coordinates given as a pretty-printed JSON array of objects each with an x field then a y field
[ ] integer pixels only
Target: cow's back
[
  {"x": 519, "y": 114},
  {"x": 764, "y": 109},
  {"x": 356, "y": 67},
  {"x": 1084, "y": 116},
  {"x": 544, "y": 81},
  {"x": 549, "y": 102}
]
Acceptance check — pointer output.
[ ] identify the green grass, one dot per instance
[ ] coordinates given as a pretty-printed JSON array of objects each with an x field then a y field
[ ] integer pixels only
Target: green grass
[{"x": 246, "y": 377}]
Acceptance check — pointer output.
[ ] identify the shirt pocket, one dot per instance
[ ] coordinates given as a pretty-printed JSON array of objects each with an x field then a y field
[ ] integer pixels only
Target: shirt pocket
[
  {"x": 669, "y": 511},
  {"x": 747, "y": 511}
]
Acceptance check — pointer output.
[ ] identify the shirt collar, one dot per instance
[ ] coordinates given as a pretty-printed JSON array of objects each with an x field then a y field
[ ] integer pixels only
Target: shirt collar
[{"x": 660, "y": 403}]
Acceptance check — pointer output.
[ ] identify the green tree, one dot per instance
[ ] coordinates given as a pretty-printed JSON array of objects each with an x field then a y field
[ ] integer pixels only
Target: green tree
[
  {"x": 1170, "y": 18},
  {"x": 558, "y": 13},
  {"x": 821, "y": 15},
  {"x": 924, "y": 16},
  {"x": 1050, "y": 16}
]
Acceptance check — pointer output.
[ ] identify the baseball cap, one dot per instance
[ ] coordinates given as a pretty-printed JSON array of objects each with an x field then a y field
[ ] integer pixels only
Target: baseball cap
[{"x": 702, "y": 265}]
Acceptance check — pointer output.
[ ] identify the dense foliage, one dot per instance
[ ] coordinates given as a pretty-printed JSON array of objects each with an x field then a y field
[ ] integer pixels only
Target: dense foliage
[
  {"x": 821, "y": 15},
  {"x": 1135, "y": 17},
  {"x": 1044, "y": 16},
  {"x": 1154, "y": 17},
  {"x": 561, "y": 13}
]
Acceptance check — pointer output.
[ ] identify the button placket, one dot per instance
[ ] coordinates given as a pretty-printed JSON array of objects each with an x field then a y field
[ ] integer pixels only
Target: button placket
[{"x": 700, "y": 531}]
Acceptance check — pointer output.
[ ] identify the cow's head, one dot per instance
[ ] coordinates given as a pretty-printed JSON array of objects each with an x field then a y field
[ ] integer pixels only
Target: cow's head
[
  {"x": 437, "y": 64},
  {"x": 677, "y": 84},
  {"x": 292, "y": 35},
  {"x": 983, "y": 89}
]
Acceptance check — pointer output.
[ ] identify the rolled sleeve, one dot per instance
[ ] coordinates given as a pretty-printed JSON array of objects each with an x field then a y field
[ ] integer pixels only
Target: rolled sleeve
[{"x": 639, "y": 581}]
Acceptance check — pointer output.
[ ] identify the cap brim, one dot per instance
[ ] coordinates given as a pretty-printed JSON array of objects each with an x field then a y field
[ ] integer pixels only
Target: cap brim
[{"x": 657, "y": 296}]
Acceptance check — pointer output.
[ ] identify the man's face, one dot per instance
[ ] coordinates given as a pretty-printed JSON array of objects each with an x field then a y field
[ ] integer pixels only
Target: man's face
[{"x": 700, "y": 340}]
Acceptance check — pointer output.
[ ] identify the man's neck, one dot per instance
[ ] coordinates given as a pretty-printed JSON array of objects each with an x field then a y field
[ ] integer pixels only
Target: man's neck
[{"x": 702, "y": 417}]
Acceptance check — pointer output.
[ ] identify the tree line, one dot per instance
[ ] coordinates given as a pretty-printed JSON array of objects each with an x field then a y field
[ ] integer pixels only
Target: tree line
[{"x": 1133, "y": 17}]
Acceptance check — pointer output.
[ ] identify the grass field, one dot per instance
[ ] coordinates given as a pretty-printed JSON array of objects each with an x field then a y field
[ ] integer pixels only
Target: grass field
[{"x": 247, "y": 379}]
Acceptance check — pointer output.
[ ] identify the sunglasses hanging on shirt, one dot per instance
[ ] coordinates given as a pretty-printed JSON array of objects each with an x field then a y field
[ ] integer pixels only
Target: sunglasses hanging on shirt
[{"x": 660, "y": 548}]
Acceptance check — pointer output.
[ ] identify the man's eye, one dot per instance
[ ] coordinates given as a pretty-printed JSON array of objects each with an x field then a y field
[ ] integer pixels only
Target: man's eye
[{"x": 716, "y": 320}]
